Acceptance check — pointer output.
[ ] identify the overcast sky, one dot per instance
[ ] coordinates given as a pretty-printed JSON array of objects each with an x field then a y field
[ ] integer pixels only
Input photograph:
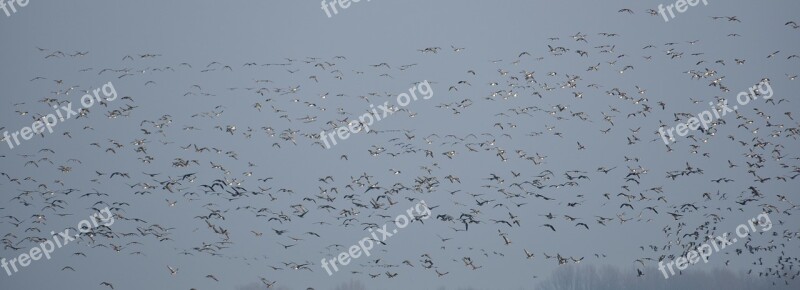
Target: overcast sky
[{"x": 493, "y": 35}]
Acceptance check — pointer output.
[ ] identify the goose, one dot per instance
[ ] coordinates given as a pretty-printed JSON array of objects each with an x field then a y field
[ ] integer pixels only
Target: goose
[{"x": 528, "y": 255}]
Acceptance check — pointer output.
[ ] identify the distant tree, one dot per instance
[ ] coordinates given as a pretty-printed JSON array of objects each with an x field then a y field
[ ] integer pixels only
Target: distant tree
[
  {"x": 584, "y": 277},
  {"x": 352, "y": 285}
]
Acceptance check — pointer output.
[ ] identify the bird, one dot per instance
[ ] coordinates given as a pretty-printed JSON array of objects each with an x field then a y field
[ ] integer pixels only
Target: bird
[{"x": 172, "y": 271}]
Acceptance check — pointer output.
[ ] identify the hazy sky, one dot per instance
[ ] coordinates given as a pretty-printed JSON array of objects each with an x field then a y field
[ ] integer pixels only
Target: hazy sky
[{"x": 368, "y": 33}]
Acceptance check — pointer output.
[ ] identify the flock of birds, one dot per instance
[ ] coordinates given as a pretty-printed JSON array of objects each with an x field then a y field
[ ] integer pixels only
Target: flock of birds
[{"x": 522, "y": 190}]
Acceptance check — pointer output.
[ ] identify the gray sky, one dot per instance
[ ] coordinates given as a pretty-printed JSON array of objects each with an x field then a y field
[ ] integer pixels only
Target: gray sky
[{"x": 369, "y": 33}]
